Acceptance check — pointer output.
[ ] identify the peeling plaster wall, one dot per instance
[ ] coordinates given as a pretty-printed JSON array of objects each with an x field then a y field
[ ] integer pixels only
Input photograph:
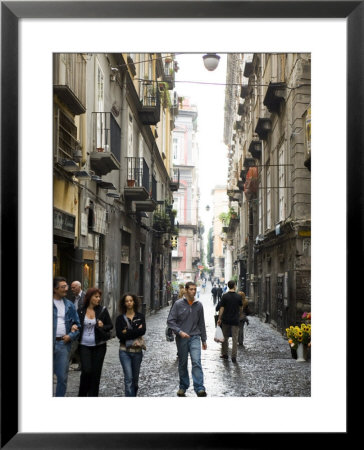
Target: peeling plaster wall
[{"x": 111, "y": 293}]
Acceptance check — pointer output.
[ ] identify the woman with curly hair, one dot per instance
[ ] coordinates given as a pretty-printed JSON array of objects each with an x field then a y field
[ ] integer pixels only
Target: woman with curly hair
[
  {"x": 95, "y": 331},
  {"x": 130, "y": 325}
]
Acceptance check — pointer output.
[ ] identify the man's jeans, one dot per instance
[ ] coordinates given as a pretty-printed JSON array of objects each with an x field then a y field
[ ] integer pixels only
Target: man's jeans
[
  {"x": 234, "y": 333},
  {"x": 131, "y": 362},
  {"x": 61, "y": 354},
  {"x": 190, "y": 346}
]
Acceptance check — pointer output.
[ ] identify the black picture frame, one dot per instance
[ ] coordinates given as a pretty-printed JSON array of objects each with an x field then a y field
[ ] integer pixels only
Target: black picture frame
[{"x": 11, "y": 12}]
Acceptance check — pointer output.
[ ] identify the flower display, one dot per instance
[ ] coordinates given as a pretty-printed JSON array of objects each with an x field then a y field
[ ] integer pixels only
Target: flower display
[
  {"x": 299, "y": 335},
  {"x": 306, "y": 316}
]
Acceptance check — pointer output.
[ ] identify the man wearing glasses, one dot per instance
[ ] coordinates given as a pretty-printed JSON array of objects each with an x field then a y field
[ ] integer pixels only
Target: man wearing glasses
[{"x": 65, "y": 330}]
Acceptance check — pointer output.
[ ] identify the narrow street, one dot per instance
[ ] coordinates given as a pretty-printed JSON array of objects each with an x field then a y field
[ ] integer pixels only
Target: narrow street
[{"x": 264, "y": 367}]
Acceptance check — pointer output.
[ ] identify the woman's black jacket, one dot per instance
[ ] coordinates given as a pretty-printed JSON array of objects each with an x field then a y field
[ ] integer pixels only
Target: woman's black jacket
[
  {"x": 101, "y": 334},
  {"x": 121, "y": 325}
]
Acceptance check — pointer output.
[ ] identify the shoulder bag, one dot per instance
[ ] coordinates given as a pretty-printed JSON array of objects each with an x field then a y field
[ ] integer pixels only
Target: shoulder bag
[{"x": 137, "y": 343}]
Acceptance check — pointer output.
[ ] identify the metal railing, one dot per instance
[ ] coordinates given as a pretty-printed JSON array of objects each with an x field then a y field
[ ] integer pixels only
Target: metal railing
[
  {"x": 66, "y": 137},
  {"x": 106, "y": 135},
  {"x": 137, "y": 172},
  {"x": 69, "y": 69}
]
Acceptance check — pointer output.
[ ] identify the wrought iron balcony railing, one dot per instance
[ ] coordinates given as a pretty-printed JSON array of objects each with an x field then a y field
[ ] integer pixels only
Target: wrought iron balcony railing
[
  {"x": 106, "y": 143},
  {"x": 66, "y": 143},
  {"x": 137, "y": 173},
  {"x": 69, "y": 80},
  {"x": 149, "y": 111}
]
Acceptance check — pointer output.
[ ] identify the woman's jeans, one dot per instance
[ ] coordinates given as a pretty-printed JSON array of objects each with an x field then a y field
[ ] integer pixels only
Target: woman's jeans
[
  {"x": 190, "y": 346},
  {"x": 61, "y": 355},
  {"x": 92, "y": 359},
  {"x": 131, "y": 362}
]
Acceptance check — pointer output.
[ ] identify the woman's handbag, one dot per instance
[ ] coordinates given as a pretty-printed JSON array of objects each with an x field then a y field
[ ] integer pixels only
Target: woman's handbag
[
  {"x": 219, "y": 337},
  {"x": 137, "y": 343}
]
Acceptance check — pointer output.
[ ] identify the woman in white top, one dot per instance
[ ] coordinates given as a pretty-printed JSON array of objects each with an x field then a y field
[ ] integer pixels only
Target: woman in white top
[{"x": 95, "y": 331}]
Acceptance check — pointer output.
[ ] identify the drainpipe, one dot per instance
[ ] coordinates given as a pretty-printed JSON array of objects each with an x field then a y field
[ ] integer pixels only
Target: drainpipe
[{"x": 124, "y": 124}]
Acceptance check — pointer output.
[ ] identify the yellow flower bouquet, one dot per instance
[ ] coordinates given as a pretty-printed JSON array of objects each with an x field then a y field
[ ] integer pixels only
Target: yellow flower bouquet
[{"x": 299, "y": 335}]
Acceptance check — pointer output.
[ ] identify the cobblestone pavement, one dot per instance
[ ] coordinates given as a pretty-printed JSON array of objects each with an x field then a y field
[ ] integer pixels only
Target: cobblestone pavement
[{"x": 264, "y": 366}]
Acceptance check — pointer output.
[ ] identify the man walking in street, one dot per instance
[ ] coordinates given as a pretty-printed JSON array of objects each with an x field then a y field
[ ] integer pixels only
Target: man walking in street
[
  {"x": 186, "y": 318},
  {"x": 78, "y": 298},
  {"x": 219, "y": 293},
  {"x": 230, "y": 307},
  {"x": 78, "y": 294},
  {"x": 65, "y": 330},
  {"x": 214, "y": 294}
]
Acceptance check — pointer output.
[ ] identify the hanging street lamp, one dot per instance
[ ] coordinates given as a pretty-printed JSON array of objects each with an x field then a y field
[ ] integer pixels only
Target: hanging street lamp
[{"x": 211, "y": 61}]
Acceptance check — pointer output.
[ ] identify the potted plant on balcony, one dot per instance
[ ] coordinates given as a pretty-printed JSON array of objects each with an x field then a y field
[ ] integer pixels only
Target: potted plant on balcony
[
  {"x": 161, "y": 221},
  {"x": 130, "y": 182},
  {"x": 233, "y": 214}
]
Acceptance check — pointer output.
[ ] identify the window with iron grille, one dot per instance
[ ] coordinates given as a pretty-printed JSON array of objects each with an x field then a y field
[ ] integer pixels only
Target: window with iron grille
[{"x": 66, "y": 136}]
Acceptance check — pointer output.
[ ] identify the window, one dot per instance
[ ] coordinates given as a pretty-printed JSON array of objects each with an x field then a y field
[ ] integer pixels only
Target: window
[
  {"x": 260, "y": 200},
  {"x": 269, "y": 200},
  {"x": 176, "y": 149},
  {"x": 282, "y": 185},
  {"x": 130, "y": 136},
  {"x": 100, "y": 125}
]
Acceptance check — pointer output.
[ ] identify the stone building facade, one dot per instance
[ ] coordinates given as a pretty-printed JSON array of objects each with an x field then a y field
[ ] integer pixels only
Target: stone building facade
[
  {"x": 187, "y": 254},
  {"x": 267, "y": 133},
  {"x": 113, "y": 116}
]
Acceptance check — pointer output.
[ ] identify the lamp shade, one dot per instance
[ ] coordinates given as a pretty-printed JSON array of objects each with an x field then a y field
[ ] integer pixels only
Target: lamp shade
[{"x": 211, "y": 61}]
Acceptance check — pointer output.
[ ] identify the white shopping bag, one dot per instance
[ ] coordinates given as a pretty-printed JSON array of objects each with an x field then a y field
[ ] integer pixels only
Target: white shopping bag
[{"x": 219, "y": 337}]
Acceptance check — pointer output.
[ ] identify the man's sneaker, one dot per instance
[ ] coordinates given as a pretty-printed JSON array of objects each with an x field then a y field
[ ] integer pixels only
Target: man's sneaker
[
  {"x": 201, "y": 394},
  {"x": 233, "y": 359},
  {"x": 224, "y": 356},
  {"x": 181, "y": 393}
]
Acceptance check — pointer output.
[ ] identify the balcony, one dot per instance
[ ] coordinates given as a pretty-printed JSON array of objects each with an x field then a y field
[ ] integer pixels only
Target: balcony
[
  {"x": 146, "y": 205},
  {"x": 242, "y": 109},
  {"x": 163, "y": 218},
  {"x": 69, "y": 81},
  {"x": 149, "y": 110},
  {"x": 169, "y": 75},
  {"x": 264, "y": 126},
  {"x": 248, "y": 69},
  {"x": 249, "y": 162},
  {"x": 174, "y": 182},
  {"x": 255, "y": 148},
  {"x": 137, "y": 185},
  {"x": 106, "y": 143},
  {"x": 275, "y": 96},
  {"x": 245, "y": 90},
  {"x": 67, "y": 147}
]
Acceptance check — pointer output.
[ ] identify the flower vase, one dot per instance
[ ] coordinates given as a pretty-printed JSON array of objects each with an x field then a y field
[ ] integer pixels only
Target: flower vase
[{"x": 301, "y": 353}]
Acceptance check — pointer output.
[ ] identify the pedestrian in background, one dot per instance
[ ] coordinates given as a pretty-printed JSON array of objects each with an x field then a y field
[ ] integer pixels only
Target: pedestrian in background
[
  {"x": 230, "y": 307},
  {"x": 65, "y": 330},
  {"x": 186, "y": 318},
  {"x": 181, "y": 292},
  {"x": 95, "y": 331},
  {"x": 219, "y": 292},
  {"x": 78, "y": 295},
  {"x": 214, "y": 294},
  {"x": 129, "y": 325},
  {"x": 77, "y": 299},
  {"x": 243, "y": 317}
]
